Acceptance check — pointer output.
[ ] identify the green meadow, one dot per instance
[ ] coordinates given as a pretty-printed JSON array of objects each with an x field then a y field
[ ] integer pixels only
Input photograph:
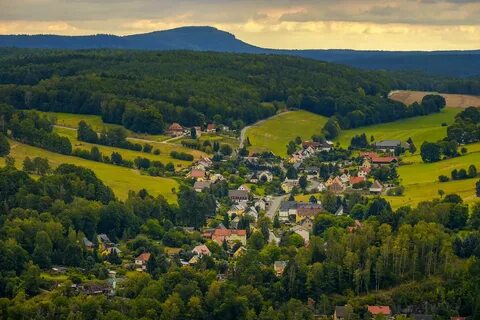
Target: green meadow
[
  {"x": 275, "y": 133},
  {"x": 120, "y": 179},
  {"x": 420, "y": 129}
]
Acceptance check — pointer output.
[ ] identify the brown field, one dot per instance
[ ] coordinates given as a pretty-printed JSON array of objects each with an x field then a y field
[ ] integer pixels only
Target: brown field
[{"x": 453, "y": 100}]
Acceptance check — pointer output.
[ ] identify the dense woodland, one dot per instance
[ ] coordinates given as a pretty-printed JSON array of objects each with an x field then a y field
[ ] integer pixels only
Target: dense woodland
[{"x": 145, "y": 90}]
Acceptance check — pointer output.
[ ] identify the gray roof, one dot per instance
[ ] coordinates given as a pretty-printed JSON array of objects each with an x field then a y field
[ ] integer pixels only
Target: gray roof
[
  {"x": 238, "y": 193},
  {"x": 388, "y": 144},
  {"x": 202, "y": 185},
  {"x": 287, "y": 205},
  {"x": 341, "y": 311}
]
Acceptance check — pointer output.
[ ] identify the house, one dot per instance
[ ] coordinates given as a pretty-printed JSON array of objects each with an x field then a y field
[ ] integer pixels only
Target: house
[
  {"x": 198, "y": 131},
  {"x": 265, "y": 176},
  {"x": 234, "y": 222},
  {"x": 194, "y": 260},
  {"x": 364, "y": 171},
  {"x": 308, "y": 210},
  {"x": 205, "y": 162},
  {"x": 380, "y": 161},
  {"x": 390, "y": 145},
  {"x": 318, "y": 146},
  {"x": 175, "y": 130},
  {"x": 199, "y": 186},
  {"x": 252, "y": 212},
  {"x": 201, "y": 250},
  {"x": 141, "y": 261},
  {"x": 237, "y": 209},
  {"x": 339, "y": 211},
  {"x": 279, "y": 267},
  {"x": 345, "y": 178},
  {"x": 229, "y": 235},
  {"x": 357, "y": 225},
  {"x": 240, "y": 252},
  {"x": 288, "y": 185},
  {"x": 287, "y": 211},
  {"x": 379, "y": 310},
  {"x": 216, "y": 177},
  {"x": 303, "y": 232},
  {"x": 376, "y": 187},
  {"x": 336, "y": 186},
  {"x": 342, "y": 313},
  {"x": 244, "y": 187},
  {"x": 238, "y": 195},
  {"x": 260, "y": 204},
  {"x": 356, "y": 180},
  {"x": 197, "y": 173},
  {"x": 307, "y": 223},
  {"x": 88, "y": 244},
  {"x": 211, "y": 127}
]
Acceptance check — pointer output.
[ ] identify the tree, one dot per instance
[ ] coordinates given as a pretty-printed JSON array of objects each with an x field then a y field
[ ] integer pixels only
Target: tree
[
  {"x": 42, "y": 167},
  {"x": 291, "y": 147},
  {"x": 95, "y": 154},
  {"x": 298, "y": 140},
  {"x": 441, "y": 193},
  {"x": 430, "y": 152},
  {"x": 193, "y": 133},
  {"x": 43, "y": 250},
  {"x": 302, "y": 182},
  {"x": 86, "y": 133},
  {"x": 331, "y": 129},
  {"x": 475, "y": 216},
  {"x": 32, "y": 280},
  {"x": 10, "y": 161},
  {"x": 116, "y": 158},
  {"x": 472, "y": 171},
  {"x": 477, "y": 188},
  {"x": 226, "y": 149},
  {"x": 28, "y": 165},
  {"x": 4, "y": 146}
]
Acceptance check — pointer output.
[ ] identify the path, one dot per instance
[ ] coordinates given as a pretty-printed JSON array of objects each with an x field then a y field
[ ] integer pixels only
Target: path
[
  {"x": 244, "y": 130},
  {"x": 275, "y": 205}
]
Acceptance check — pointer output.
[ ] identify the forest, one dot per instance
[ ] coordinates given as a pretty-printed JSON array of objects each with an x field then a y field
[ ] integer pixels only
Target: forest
[{"x": 144, "y": 90}]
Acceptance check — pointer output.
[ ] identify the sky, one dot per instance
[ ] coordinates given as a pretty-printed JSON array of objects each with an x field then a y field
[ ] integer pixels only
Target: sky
[{"x": 289, "y": 24}]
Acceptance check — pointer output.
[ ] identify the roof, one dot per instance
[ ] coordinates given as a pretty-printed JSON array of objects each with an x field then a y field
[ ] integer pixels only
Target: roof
[
  {"x": 237, "y": 194},
  {"x": 376, "y": 185},
  {"x": 355, "y": 180},
  {"x": 374, "y": 310},
  {"x": 388, "y": 143},
  {"x": 201, "y": 249},
  {"x": 197, "y": 173},
  {"x": 202, "y": 185},
  {"x": 175, "y": 126},
  {"x": 383, "y": 159},
  {"x": 341, "y": 311},
  {"x": 87, "y": 242},
  {"x": 287, "y": 205},
  {"x": 229, "y": 232},
  {"x": 144, "y": 257},
  {"x": 211, "y": 126}
]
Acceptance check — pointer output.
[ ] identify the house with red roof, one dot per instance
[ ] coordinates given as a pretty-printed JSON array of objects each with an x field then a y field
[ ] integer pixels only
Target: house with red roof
[
  {"x": 229, "y": 235},
  {"x": 211, "y": 127},
  {"x": 141, "y": 261},
  {"x": 201, "y": 250},
  {"x": 379, "y": 311},
  {"x": 356, "y": 180},
  {"x": 197, "y": 173}
]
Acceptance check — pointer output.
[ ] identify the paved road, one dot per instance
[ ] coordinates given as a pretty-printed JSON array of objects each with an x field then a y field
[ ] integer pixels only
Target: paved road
[{"x": 275, "y": 205}]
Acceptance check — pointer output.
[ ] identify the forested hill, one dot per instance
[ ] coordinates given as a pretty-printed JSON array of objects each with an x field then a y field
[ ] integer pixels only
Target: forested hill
[
  {"x": 134, "y": 87},
  {"x": 453, "y": 63}
]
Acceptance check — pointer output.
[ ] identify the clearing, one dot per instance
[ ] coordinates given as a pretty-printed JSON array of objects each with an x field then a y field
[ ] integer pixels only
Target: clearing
[
  {"x": 274, "y": 134},
  {"x": 453, "y": 100},
  {"x": 420, "y": 129},
  {"x": 120, "y": 179}
]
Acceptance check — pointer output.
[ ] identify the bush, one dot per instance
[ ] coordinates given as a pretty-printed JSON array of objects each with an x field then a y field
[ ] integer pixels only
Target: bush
[
  {"x": 181, "y": 156},
  {"x": 443, "y": 178}
]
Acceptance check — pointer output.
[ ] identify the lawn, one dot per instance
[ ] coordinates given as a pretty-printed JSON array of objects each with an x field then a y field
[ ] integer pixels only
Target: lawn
[
  {"x": 71, "y": 120},
  {"x": 421, "y": 179},
  {"x": 420, "y": 129},
  {"x": 120, "y": 179},
  {"x": 275, "y": 133},
  {"x": 212, "y": 137},
  {"x": 164, "y": 156}
]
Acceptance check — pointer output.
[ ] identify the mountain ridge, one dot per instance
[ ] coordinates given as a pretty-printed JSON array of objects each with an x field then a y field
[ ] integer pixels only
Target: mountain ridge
[{"x": 462, "y": 63}]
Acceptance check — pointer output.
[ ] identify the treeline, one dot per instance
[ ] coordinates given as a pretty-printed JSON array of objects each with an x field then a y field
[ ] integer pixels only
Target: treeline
[
  {"x": 466, "y": 128},
  {"x": 142, "y": 90}
]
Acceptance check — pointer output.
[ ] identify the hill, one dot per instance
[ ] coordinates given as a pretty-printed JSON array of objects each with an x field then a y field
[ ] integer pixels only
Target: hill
[
  {"x": 275, "y": 133},
  {"x": 453, "y": 100},
  {"x": 456, "y": 63}
]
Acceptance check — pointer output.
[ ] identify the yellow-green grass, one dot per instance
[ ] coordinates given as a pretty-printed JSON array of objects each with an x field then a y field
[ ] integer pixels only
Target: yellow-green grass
[
  {"x": 164, "y": 148},
  {"x": 274, "y": 134},
  {"x": 71, "y": 120},
  {"x": 420, "y": 129},
  {"x": 120, "y": 179}
]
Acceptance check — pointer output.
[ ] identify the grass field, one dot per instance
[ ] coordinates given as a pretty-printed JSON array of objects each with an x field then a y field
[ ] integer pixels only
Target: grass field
[
  {"x": 212, "y": 137},
  {"x": 420, "y": 129},
  {"x": 71, "y": 120},
  {"x": 120, "y": 179},
  {"x": 275, "y": 133},
  {"x": 164, "y": 148},
  {"x": 453, "y": 100}
]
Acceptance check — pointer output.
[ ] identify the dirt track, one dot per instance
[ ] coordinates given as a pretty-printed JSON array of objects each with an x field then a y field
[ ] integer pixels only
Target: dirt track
[{"x": 453, "y": 100}]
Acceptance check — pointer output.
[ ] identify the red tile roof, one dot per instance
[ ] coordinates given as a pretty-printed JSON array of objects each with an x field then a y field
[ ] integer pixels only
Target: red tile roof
[
  {"x": 175, "y": 127},
  {"x": 369, "y": 154},
  {"x": 229, "y": 232},
  {"x": 211, "y": 126},
  {"x": 355, "y": 180},
  {"x": 144, "y": 257},
  {"x": 197, "y": 173},
  {"x": 383, "y": 159},
  {"x": 375, "y": 310}
]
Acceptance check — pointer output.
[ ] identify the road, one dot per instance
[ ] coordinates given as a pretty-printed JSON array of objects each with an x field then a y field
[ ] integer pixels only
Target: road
[{"x": 275, "y": 205}]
